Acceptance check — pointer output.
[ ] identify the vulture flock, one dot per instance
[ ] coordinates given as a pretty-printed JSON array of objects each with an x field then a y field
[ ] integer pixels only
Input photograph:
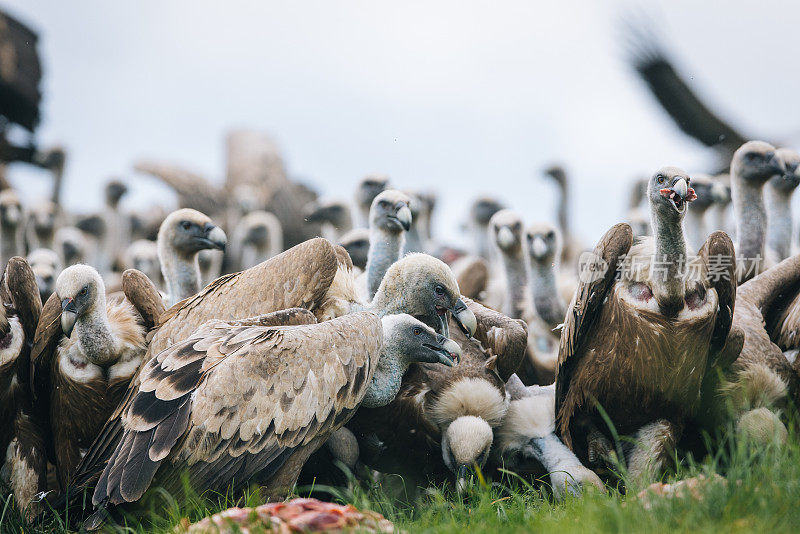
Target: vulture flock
[{"x": 262, "y": 336}]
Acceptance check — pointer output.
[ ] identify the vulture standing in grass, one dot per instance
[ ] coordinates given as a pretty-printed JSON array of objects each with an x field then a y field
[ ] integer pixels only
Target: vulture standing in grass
[
  {"x": 183, "y": 234},
  {"x": 11, "y": 225},
  {"x": 639, "y": 345},
  {"x": 778, "y": 200},
  {"x": 24, "y": 461},
  {"x": 85, "y": 351},
  {"x": 754, "y": 163},
  {"x": 249, "y": 401}
]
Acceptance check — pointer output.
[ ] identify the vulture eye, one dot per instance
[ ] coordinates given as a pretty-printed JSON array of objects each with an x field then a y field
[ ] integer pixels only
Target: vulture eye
[
  {"x": 550, "y": 234},
  {"x": 661, "y": 178},
  {"x": 417, "y": 330},
  {"x": 186, "y": 225},
  {"x": 84, "y": 291},
  {"x": 383, "y": 204},
  {"x": 439, "y": 290}
]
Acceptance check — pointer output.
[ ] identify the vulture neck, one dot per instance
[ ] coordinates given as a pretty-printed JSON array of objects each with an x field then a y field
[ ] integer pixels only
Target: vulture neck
[
  {"x": 546, "y": 300},
  {"x": 384, "y": 250},
  {"x": 181, "y": 274},
  {"x": 751, "y": 218},
  {"x": 563, "y": 211},
  {"x": 484, "y": 245},
  {"x": 386, "y": 380},
  {"x": 516, "y": 282},
  {"x": 553, "y": 454},
  {"x": 779, "y": 227},
  {"x": 95, "y": 335},
  {"x": 666, "y": 272}
]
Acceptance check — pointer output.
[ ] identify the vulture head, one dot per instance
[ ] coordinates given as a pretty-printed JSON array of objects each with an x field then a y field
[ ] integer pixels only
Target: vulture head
[
  {"x": 188, "y": 231},
  {"x": 115, "y": 190},
  {"x": 81, "y": 291},
  {"x": 390, "y": 212},
  {"x": 543, "y": 244},
  {"x": 370, "y": 187},
  {"x": 669, "y": 193},
  {"x": 721, "y": 192},
  {"x": 46, "y": 266},
  {"x": 71, "y": 244},
  {"x": 483, "y": 209},
  {"x": 505, "y": 229},
  {"x": 756, "y": 162},
  {"x": 703, "y": 186},
  {"x": 334, "y": 212},
  {"x": 425, "y": 288},
  {"x": 356, "y": 243},
  {"x": 43, "y": 217},
  {"x": 142, "y": 255},
  {"x": 414, "y": 341},
  {"x": 10, "y": 209},
  {"x": 789, "y": 180},
  {"x": 261, "y": 229}
]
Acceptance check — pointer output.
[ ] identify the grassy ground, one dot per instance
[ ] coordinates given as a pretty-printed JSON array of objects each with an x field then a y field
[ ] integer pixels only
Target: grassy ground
[{"x": 760, "y": 493}]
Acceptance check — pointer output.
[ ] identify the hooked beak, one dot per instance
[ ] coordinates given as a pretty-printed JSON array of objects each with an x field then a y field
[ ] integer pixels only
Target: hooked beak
[
  {"x": 679, "y": 194},
  {"x": 404, "y": 217},
  {"x": 505, "y": 238},
  {"x": 461, "y": 478},
  {"x": 215, "y": 237},
  {"x": 449, "y": 351},
  {"x": 538, "y": 248},
  {"x": 69, "y": 314},
  {"x": 776, "y": 163},
  {"x": 465, "y": 318}
]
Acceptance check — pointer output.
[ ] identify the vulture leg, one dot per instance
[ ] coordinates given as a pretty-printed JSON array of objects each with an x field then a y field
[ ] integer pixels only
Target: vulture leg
[{"x": 653, "y": 445}]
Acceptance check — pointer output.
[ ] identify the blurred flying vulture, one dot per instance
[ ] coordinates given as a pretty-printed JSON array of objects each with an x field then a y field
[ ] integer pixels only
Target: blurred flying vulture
[{"x": 639, "y": 344}]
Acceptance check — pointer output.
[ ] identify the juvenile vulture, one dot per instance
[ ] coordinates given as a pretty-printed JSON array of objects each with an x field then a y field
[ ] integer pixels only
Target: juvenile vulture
[
  {"x": 256, "y": 238},
  {"x": 183, "y": 234},
  {"x": 249, "y": 401},
  {"x": 778, "y": 197},
  {"x": 24, "y": 464},
  {"x": 389, "y": 221},
  {"x": 753, "y": 164},
  {"x": 85, "y": 351},
  {"x": 526, "y": 441},
  {"x": 356, "y": 243},
  {"x": 334, "y": 215},
  {"x": 368, "y": 188},
  {"x": 46, "y": 265},
  {"x": 11, "y": 242},
  {"x": 639, "y": 345}
]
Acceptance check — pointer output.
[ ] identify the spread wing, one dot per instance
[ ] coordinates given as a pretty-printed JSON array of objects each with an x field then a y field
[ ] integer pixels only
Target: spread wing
[
  {"x": 597, "y": 276},
  {"x": 194, "y": 191},
  {"x": 680, "y": 102},
  {"x": 142, "y": 293},
  {"x": 502, "y": 336},
  {"x": 232, "y": 401},
  {"x": 719, "y": 261}
]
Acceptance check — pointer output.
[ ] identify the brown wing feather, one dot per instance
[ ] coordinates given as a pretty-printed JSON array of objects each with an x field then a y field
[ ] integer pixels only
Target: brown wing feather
[
  {"x": 24, "y": 293},
  {"x": 503, "y": 336},
  {"x": 142, "y": 293},
  {"x": 583, "y": 309},
  {"x": 45, "y": 342},
  {"x": 719, "y": 248},
  {"x": 230, "y": 394}
]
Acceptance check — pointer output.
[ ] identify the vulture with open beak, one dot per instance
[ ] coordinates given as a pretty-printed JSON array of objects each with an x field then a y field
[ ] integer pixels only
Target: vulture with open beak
[
  {"x": 24, "y": 465},
  {"x": 637, "y": 346},
  {"x": 85, "y": 351}
]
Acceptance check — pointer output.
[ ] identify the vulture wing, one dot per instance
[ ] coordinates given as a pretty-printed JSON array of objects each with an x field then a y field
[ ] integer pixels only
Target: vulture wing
[
  {"x": 776, "y": 293},
  {"x": 234, "y": 401},
  {"x": 597, "y": 277},
  {"x": 20, "y": 286},
  {"x": 719, "y": 261},
  {"x": 502, "y": 336},
  {"x": 473, "y": 276},
  {"x": 142, "y": 293},
  {"x": 194, "y": 191},
  {"x": 680, "y": 102}
]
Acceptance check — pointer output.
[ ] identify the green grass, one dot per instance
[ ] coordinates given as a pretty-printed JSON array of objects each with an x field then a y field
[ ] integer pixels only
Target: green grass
[{"x": 761, "y": 493}]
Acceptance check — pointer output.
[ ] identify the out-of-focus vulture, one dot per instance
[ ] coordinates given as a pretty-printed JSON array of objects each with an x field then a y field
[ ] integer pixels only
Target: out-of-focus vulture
[
  {"x": 480, "y": 214},
  {"x": 472, "y": 273},
  {"x": 570, "y": 249},
  {"x": 118, "y": 227},
  {"x": 142, "y": 255},
  {"x": 753, "y": 164},
  {"x": 334, "y": 215},
  {"x": 527, "y": 443},
  {"x": 256, "y": 238},
  {"x": 639, "y": 345},
  {"x": 778, "y": 197},
  {"x": 505, "y": 230},
  {"x": 11, "y": 225},
  {"x": 42, "y": 223},
  {"x": 46, "y": 265},
  {"x": 24, "y": 462},
  {"x": 85, "y": 351},
  {"x": 356, "y": 243},
  {"x": 183, "y": 234},
  {"x": 368, "y": 188},
  {"x": 71, "y": 245},
  {"x": 696, "y": 228},
  {"x": 389, "y": 221}
]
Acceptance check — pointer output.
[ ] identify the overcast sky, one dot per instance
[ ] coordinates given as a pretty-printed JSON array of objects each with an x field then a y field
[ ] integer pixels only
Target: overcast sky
[{"x": 467, "y": 98}]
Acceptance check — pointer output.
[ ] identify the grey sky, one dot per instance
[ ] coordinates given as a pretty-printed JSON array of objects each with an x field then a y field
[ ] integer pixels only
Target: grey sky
[{"x": 462, "y": 97}]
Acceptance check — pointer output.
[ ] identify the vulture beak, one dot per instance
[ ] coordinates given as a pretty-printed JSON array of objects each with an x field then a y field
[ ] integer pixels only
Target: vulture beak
[
  {"x": 775, "y": 163},
  {"x": 449, "y": 351},
  {"x": 461, "y": 478},
  {"x": 69, "y": 314},
  {"x": 403, "y": 216},
  {"x": 13, "y": 215},
  {"x": 465, "y": 318},
  {"x": 505, "y": 238},
  {"x": 215, "y": 237},
  {"x": 679, "y": 194},
  {"x": 538, "y": 247}
]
